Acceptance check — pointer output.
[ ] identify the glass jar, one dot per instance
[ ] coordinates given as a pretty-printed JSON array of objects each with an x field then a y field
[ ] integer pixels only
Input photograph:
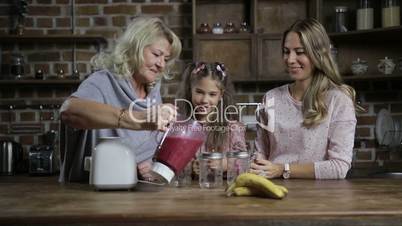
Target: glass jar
[
  {"x": 211, "y": 170},
  {"x": 217, "y": 29},
  {"x": 183, "y": 178},
  {"x": 238, "y": 163},
  {"x": 17, "y": 66},
  {"x": 341, "y": 22},
  {"x": 390, "y": 13},
  {"x": 39, "y": 74},
  {"x": 204, "y": 28},
  {"x": 244, "y": 27},
  {"x": 230, "y": 28},
  {"x": 365, "y": 15}
]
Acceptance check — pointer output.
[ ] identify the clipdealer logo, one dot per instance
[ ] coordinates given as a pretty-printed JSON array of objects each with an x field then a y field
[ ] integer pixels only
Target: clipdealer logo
[{"x": 264, "y": 112}]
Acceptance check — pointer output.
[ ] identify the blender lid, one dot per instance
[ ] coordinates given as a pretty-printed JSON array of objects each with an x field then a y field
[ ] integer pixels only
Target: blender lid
[{"x": 163, "y": 171}]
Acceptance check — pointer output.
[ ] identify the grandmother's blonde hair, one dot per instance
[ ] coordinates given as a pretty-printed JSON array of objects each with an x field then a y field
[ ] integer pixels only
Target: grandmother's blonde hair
[
  {"x": 326, "y": 75},
  {"x": 127, "y": 55}
]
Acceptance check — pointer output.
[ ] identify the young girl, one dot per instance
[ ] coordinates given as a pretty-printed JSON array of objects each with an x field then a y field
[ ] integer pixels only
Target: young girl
[{"x": 204, "y": 94}]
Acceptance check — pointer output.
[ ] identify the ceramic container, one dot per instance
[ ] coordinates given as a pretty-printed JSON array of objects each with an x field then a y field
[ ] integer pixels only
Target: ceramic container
[
  {"x": 217, "y": 29},
  {"x": 359, "y": 67},
  {"x": 386, "y": 66}
]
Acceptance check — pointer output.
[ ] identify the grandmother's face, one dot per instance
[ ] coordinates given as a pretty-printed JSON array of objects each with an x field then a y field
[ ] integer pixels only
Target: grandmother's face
[{"x": 156, "y": 56}]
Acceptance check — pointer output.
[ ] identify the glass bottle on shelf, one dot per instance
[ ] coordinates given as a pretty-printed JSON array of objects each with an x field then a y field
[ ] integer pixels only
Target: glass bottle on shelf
[
  {"x": 365, "y": 15},
  {"x": 217, "y": 29},
  {"x": 341, "y": 23},
  {"x": 244, "y": 27},
  {"x": 17, "y": 66},
  {"x": 390, "y": 13},
  {"x": 204, "y": 28},
  {"x": 230, "y": 28}
]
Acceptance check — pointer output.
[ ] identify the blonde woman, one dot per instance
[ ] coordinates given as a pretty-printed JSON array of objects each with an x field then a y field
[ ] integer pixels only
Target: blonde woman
[
  {"x": 129, "y": 78},
  {"x": 306, "y": 129}
]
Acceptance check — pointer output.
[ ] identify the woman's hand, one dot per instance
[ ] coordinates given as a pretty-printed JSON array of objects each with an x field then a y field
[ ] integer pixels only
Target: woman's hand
[
  {"x": 144, "y": 169},
  {"x": 266, "y": 168},
  {"x": 157, "y": 117}
]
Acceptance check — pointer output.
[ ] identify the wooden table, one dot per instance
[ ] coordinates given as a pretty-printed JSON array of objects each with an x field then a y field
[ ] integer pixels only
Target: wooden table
[{"x": 28, "y": 200}]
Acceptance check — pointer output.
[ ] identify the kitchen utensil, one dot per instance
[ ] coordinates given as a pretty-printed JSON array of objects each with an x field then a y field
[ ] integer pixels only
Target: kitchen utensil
[
  {"x": 384, "y": 127},
  {"x": 178, "y": 148},
  {"x": 41, "y": 160},
  {"x": 113, "y": 165},
  {"x": 10, "y": 157}
]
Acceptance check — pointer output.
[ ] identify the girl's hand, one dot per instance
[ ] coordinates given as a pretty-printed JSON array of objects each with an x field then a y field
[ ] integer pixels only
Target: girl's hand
[{"x": 266, "y": 168}]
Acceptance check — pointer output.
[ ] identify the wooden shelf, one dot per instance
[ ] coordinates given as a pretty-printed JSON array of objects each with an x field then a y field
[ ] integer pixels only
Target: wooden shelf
[
  {"x": 346, "y": 78},
  {"x": 53, "y": 38},
  {"x": 229, "y": 36},
  {"x": 40, "y": 82},
  {"x": 372, "y": 35},
  {"x": 371, "y": 77}
]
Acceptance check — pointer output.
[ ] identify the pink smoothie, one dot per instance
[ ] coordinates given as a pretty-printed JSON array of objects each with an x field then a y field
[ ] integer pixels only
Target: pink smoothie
[{"x": 176, "y": 152}]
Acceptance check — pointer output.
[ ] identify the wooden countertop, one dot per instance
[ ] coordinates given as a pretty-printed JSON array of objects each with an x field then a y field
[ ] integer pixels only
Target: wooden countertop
[{"x": 28, "y": 200}]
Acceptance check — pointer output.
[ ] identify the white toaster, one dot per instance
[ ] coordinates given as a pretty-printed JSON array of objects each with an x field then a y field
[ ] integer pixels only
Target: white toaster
[{"x": 113, "y": 165}]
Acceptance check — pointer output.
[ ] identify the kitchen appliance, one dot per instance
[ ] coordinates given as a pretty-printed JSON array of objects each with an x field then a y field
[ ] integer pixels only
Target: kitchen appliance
[
  {"x": 10, "y": 157},
  {"x": 178, "y": 147},
  {"x": 41, "y": 160},
  {"x": 113, "y": 165},
  {"x": 388, "y": 129}
]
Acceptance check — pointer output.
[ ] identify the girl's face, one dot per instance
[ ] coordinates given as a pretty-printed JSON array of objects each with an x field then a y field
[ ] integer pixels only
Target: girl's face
[
  {"x": 205, "y": 96},
  {"x": 297, "y": 62},
  {"x": 155, "y": 57}
]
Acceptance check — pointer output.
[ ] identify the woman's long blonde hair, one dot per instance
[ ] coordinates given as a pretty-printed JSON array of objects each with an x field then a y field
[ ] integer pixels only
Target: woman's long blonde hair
[
  {"x": 326, "y": 75},
  {"x": 127, "y": 55}
]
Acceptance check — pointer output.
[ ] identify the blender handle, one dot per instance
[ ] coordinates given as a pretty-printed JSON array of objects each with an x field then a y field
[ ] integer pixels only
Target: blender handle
[{"x": 164, "y": 137}]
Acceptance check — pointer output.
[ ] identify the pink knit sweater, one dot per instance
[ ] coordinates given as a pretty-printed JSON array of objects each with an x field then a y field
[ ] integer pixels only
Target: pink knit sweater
[{"x": 328, "y": 145}]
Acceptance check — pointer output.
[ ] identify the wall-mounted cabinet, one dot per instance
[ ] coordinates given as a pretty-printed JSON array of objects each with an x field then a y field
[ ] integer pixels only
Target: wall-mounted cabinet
[
  {"x": 252, "y": 55},
  {"x": 256, "y": 55}
]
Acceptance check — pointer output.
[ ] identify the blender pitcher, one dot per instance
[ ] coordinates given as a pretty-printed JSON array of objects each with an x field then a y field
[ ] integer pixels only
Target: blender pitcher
[{"x": 178, "y": 148}]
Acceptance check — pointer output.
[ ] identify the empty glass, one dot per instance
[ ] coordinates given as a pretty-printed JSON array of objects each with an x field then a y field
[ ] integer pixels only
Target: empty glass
[
  {"x": 211, "y": 170},
  {"x": 238, "y": 163}
]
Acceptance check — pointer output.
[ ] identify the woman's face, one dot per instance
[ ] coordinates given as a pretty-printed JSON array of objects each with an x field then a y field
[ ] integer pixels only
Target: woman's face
[
  {"x": 205, "y": 96},
  {"x": 297, "y": 63},
  {"x": 155, "y": 57}
]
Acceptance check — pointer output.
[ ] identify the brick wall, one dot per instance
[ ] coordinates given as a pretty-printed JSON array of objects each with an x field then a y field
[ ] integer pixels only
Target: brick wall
[{"x": 108, "y": 18}]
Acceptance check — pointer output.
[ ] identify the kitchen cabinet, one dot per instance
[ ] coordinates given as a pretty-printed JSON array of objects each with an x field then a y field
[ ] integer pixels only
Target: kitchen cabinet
[
  {"x": 43, "y": 201},
  {"x": 256, "y": 55},
  {"x": 253, "y": 55}
]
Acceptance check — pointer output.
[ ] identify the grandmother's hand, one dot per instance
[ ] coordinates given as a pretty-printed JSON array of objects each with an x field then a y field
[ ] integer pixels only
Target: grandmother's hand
[
  {"x": 157, "y": 117},
  {"x": 144, "y": 170},
  {"x": 266, "y": 168}
]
